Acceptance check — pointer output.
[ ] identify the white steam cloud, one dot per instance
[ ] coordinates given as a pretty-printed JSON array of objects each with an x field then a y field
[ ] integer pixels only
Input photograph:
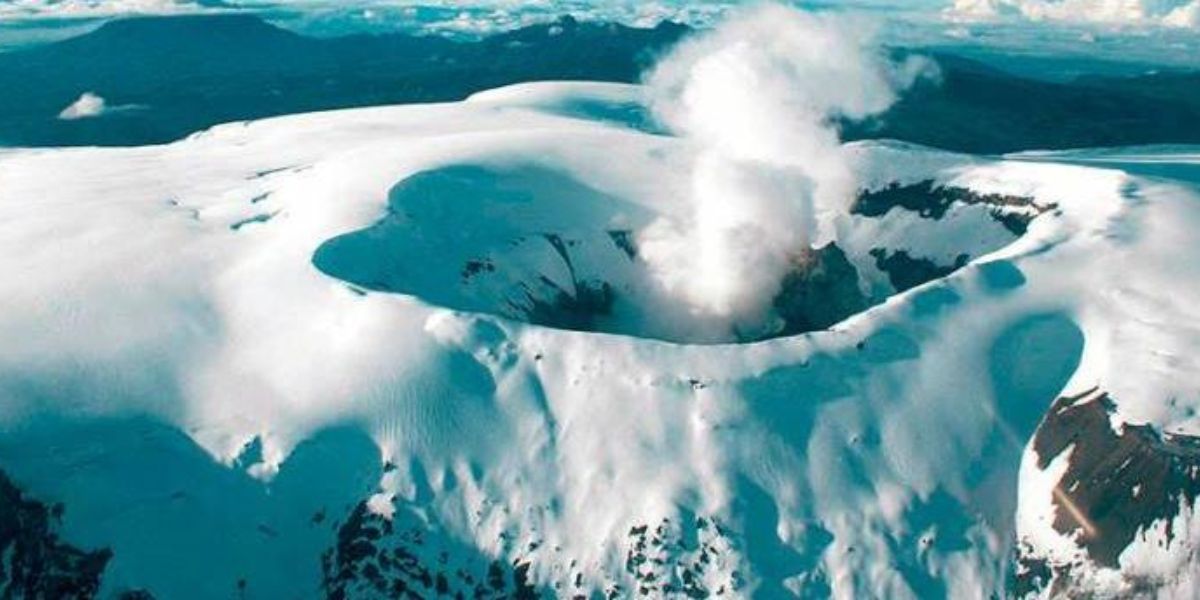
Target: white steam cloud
[
  {"x": 88, "y": 105},
  {"x": 759, "y": 96}
]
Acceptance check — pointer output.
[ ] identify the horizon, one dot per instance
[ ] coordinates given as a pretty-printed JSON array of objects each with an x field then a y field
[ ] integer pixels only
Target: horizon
[{"x": 1019, "y": 28}]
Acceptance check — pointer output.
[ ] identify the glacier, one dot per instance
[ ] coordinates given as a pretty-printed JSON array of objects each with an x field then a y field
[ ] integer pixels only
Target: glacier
[{"x": 210, "y": 386}]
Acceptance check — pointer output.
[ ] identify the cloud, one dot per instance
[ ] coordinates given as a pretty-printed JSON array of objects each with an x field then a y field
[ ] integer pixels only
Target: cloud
[
  {"x": 88, "y": 105},
  {"x": 1172, "y": 13},
  {"x": 1046, "y": 27},
  {"x": 474, "y": 18},
  {"x": 89, "y": 9},
  {"x": 757, "y": 97},
  {"x": 478, "y": 17},
  {"x": 1186, "y": 16},
  {"x": 462, "y": 16}
]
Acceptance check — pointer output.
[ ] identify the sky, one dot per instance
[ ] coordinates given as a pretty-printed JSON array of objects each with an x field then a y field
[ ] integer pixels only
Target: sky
[
  {"x": 1153, "y": 32},
  {"x": 1167, "y": 13}
]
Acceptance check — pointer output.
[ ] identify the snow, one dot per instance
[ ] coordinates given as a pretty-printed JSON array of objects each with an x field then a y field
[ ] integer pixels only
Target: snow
[{"x": 149, "y": 341}]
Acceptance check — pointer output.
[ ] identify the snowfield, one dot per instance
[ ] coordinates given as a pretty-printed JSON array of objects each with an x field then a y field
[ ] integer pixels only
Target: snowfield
[{"x": 301, "y": 357}]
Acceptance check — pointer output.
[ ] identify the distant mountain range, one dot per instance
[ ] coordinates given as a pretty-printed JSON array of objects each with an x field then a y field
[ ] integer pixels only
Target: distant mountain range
[
  {"x": 976, "y": 108},
  {"x": 188, "y": 73},
  {"x": 176, "y": 75}
]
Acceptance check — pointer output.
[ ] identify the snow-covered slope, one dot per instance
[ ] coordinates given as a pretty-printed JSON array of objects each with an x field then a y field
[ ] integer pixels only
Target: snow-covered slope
[{"x": 302, "y": 357}]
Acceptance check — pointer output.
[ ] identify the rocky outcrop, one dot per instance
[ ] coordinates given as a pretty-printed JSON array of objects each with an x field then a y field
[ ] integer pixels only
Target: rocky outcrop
[
  {"x": 681, "y": 562},
  {"x": 34, "y": 561},
  {"x": 404, "y": 556},
  {"x": 906, "y": 272},
  {"x": 931, "y": 201},
  {"x": 1118, "y": 483},
  {"x": 820, "y": 291}
]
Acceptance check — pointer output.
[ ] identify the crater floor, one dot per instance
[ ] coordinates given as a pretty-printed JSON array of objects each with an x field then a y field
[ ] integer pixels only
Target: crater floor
[{"x": 533, "y": 243}]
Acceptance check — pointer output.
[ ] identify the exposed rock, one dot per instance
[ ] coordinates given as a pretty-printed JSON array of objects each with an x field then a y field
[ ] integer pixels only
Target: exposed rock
[
  {"x": 34, "y": 562},
  {"x": 822, "y": 290},
  {"x": 1107, "y": 466},
  {"x": 408, "y": 557},
  {"x": 1032, "y": 575},
  {"x": 474, "y": 267},
  {"x": 931, "y": 201},
  {"x": 692, "y": 561},
  {"x": 906, "y": 272},
  {"x": 259, "y": 218},
  {"x": 1117, "y": 483},
  {"x": 565, "y": 272},
  {"x": 624, "y": 240},
  {"x": 576, "y": 311},
  {"x": 402, "y": 557}
]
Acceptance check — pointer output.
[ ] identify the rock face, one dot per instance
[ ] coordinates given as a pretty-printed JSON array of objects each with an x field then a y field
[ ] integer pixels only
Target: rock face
[
  {"x": 822, "y": 290},
  {"x": 378, "y": 557},
  {"x": 521, "y": 256},
  {"x": 906, "y": 272},
  {"x": 931, "y": 201},
  {"x": 680, "y": 562},
  {"x": 34, "y": 562},
  {"x": 912, "y": 215},
  {"x": 406, "y": 557},
  {"x": 1118, "y": 483}
]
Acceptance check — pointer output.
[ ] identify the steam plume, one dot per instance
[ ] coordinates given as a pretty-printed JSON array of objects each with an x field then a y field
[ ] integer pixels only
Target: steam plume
[{"x": 758, "y": 97}]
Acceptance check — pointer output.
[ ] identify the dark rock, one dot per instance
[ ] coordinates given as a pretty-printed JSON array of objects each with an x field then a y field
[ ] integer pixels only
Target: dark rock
[
  {"x": 1107, "y": 466},
  {"x": 261, "y": 218},
  {"x": 625, "y": 241},
  {"x": 577, "y": 311},
  {"x": 1116, "y": 484},
  {"x": 1033, "y": 576},
  {"x": 405, "y": 557},
  {"x": 931, "y": 201},
  {"x": 906, "y": 272},
  {"x": 674, "y": 563},
  {"x": 820, "y": 291},
  {"x": 35, "y": 562}
]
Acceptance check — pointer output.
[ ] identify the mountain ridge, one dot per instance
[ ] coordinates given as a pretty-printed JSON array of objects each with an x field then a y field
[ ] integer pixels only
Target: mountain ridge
[{"x": 188, "y": 73}]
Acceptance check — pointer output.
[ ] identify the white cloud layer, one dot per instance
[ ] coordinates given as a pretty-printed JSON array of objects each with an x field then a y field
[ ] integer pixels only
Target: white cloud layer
[
  {"x": 483, "y": 16},
  {"x": 1039, "y": 27},
  {"x": 446, "y": 15},
  {"x": 71, "y": 9},
  {"x": 1171, "y": 13}
]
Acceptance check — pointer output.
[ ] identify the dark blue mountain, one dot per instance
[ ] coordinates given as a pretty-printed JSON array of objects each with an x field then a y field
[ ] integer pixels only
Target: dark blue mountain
[
  {"x": 177, "y": 75},
  {"x": 976, "y": 108},
  {"x": 181, "y": 74}
]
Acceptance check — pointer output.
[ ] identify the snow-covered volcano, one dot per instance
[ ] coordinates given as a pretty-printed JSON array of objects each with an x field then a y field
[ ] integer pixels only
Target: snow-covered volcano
[
  {"x": 524, "y": 237},
  {"x": 370, "y": 353}
]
